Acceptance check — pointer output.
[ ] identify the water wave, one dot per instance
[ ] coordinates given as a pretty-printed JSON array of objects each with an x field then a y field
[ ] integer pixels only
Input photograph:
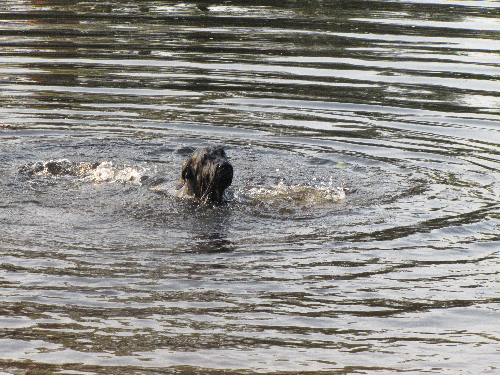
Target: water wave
[
  {"x": 319, "y": 193},
  {"x": 107, "y": 172}
]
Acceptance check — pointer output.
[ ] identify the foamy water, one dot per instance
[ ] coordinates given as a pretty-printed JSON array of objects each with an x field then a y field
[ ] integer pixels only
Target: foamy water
[
  {"x": 107, "y": 172},
  {"x": 300, "y": 194}
]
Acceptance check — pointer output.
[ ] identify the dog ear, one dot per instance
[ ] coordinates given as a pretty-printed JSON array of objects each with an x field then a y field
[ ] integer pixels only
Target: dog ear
[{"x": 186, "y": 173}]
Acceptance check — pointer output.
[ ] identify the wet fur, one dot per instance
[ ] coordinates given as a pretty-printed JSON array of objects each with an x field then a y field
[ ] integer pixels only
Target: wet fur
[{"x": 205, "y": 175}]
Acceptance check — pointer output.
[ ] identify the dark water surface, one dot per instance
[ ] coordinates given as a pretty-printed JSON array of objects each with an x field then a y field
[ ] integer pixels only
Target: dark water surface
[{"x": 361, "y": 234}]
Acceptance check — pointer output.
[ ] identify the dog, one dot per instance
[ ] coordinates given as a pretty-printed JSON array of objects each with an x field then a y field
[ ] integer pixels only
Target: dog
[{"x": 205, "y": 175}]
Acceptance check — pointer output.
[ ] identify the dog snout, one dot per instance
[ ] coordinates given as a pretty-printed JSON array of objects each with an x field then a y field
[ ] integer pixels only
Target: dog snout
[
  {"x": 225, "y": 170},
  {"x": 224, "y": 174}
]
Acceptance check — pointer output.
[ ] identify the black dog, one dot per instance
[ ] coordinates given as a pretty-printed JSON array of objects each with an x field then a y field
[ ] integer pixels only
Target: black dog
[{"x": 205, "y": 175}]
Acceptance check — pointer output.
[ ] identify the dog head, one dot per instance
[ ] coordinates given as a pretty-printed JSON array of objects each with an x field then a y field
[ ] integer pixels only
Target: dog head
[{"x": 206, "y": 174}]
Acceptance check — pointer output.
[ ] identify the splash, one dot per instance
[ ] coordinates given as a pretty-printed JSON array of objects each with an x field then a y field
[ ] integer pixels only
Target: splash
[
  {"x": 61, "y": 167},
  {"x": 88, "y": 172},
  {"x": 320, "y": 192},
  {"x": 107, "y": 172}
]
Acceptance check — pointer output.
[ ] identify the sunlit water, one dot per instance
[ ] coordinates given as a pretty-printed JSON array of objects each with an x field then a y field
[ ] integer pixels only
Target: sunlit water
[{"x": 361, "y": 231}]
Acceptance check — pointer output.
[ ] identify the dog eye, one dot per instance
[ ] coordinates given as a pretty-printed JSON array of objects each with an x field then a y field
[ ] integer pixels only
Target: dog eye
[
  {"x": 223, "y": 153},
  {"x": 205, "y": 158}
]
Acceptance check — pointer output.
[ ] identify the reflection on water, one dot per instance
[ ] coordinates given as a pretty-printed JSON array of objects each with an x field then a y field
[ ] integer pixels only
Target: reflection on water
[{"x": 360, "y": 234}]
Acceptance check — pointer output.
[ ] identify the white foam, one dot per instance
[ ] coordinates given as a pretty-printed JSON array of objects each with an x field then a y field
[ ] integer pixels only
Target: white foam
[
  {"x": 321, "y": 193},
  {"x": 107, "y": 172}
]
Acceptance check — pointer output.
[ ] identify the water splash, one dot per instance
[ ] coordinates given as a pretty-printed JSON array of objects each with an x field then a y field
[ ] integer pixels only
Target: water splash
[
  {"x": 87, "y": 172},
  {"x": 317, "y": 193},
  {"x": 61, "y": 167},
  {"x": 107, "y": 172}
]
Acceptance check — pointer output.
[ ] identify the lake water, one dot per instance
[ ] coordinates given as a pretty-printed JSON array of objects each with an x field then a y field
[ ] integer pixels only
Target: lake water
[{"x": 361, "y": 234}]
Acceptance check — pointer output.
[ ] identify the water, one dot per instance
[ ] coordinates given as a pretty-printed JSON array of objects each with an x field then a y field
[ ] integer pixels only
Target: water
[{"x": 361, "y": 232}]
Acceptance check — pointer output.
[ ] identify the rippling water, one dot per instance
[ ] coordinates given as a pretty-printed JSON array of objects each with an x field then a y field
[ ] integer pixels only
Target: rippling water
[{"x": 361, "y": 232}]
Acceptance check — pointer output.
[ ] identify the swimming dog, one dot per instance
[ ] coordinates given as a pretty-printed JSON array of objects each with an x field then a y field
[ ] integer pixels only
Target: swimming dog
[{"x": 205, "y": 175}]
